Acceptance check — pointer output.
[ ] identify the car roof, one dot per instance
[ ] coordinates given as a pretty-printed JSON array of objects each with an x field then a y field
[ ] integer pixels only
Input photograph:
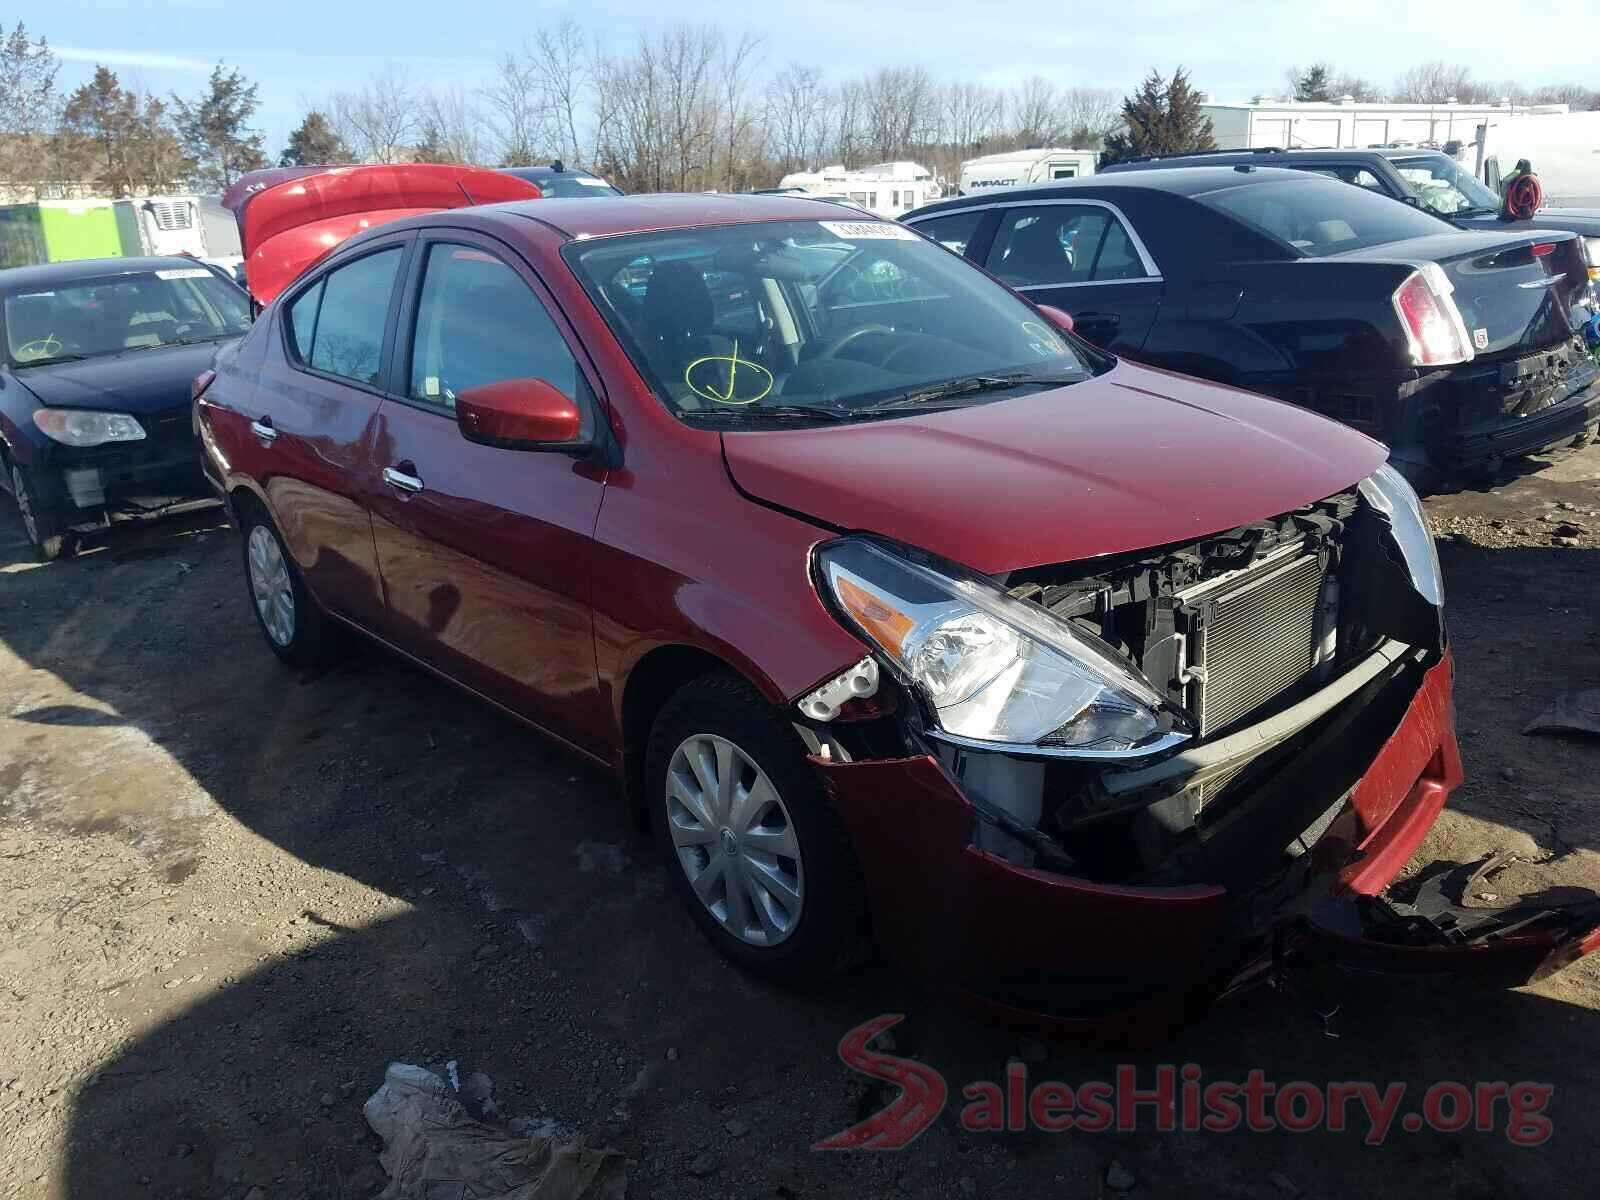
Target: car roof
[
  {"x": 89, "y": 268},
  {"x": 1182, "y": 181},
  {"x": 545, "y": 172},
  {"x": 583, "y": 217}
]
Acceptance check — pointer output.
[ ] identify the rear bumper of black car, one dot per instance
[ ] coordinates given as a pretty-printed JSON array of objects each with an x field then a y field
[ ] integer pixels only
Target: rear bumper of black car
[{"x": 1461, "y": 420}]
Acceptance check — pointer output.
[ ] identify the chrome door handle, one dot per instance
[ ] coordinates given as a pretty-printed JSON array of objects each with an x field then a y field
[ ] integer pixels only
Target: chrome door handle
[
  {"x": 399, "y": 479},
  {"x": 263, "y": 429}
]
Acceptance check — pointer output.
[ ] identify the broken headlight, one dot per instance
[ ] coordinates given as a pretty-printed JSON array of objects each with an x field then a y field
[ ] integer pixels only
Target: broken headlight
[
  {"x": 1388, "y": 492},
  {"x": 992, "y": 668}
]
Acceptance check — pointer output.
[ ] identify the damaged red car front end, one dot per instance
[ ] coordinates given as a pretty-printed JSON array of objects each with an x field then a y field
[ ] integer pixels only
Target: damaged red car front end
[{"x": 1039, "y": 949}]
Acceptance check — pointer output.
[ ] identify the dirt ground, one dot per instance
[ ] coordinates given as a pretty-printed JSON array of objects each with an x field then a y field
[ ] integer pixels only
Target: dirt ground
[{"x": 232, "y": 895}]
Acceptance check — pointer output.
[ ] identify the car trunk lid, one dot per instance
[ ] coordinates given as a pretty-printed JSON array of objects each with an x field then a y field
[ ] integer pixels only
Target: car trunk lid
[
  {"x": 296, "y": 216},
  {"x": 1517, "y": 292}
]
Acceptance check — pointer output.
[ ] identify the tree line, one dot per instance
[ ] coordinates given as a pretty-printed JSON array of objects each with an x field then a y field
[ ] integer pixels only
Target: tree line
[{"x": 689, "y": 108}]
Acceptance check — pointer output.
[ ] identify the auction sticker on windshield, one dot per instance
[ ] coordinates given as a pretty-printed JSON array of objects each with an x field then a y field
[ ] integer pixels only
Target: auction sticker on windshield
[
  {"x": 184, "y": 273},
  {"x": 855, "y": 231}
]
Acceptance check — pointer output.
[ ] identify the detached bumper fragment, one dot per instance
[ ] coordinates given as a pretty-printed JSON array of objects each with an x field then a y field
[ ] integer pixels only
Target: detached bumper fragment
[{"x": 1439, "y": 932}]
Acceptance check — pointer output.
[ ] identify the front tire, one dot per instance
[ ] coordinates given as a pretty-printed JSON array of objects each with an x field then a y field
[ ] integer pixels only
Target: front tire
[
  {"x": 49, "y": 540},
  {"x": 295, "y": 628},
  {"x": 749, "y": 837}
]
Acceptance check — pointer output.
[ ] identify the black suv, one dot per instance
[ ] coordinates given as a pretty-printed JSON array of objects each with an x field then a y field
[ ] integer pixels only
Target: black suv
[{"x": 1429, "y": 179}]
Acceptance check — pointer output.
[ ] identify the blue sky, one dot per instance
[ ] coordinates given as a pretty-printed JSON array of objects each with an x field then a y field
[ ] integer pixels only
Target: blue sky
[{"x": 300, "y": 51}]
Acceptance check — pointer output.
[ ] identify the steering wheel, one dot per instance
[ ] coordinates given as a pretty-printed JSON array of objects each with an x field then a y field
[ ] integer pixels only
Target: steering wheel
[
  {"x": 46, "y": 347},
  {"x": 832, "y": 348}
]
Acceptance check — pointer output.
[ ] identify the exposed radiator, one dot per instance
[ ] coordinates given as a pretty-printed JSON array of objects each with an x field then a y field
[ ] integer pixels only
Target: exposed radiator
[{"x": 1255, "y": 634}]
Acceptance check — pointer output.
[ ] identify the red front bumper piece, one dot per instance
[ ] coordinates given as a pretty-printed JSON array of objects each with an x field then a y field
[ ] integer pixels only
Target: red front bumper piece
[{"x": 1074, "y": 958}]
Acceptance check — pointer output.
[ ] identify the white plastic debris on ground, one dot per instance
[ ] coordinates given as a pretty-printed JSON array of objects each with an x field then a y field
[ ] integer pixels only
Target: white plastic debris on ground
[{"x": 435, "y": 1149}]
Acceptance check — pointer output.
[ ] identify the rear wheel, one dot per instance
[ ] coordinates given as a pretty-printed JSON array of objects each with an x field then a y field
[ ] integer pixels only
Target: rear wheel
[
  {"x": 295, "y": 628},
  {"x": 750, "y": 840},
  {"x": 50, "y": 541}
]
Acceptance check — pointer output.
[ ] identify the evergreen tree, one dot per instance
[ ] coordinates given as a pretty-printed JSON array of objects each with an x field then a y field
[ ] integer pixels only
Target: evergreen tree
[
  {"x": 1162, "y": 117},
  {"x": 1314, "y": 84},
  {"x": 432, "y": 147},
  {"x": 27, "y": 107},
  {"x": 314, "y": 141},
  {"x": 216, "y": 130},
  {"x": 97, "y": 124}
]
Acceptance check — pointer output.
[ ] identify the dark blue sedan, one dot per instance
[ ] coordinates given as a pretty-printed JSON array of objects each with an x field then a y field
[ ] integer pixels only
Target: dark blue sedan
[{"x": 96, "y": 361}]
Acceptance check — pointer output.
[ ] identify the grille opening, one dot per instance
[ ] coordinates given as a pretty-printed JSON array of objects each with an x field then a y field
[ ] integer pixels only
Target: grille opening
[
  {"x": 1252, "y": 636},
  {"x": 1269, "y": 613}
]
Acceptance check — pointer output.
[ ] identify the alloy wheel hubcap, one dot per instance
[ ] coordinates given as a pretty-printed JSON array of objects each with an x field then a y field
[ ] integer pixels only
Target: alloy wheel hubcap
[
  {"x": 24, "y": 505},
  {"x": 734, "y": 840},
  {"x": 270, "y": 586}
]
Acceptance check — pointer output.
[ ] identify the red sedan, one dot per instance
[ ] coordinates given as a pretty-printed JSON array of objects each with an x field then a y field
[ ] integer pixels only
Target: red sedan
[{"x": 904, "y": 616}]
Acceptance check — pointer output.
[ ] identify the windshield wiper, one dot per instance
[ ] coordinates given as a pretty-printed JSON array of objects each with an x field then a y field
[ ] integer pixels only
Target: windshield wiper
[
  {"x": 54, "y": 358},
  {"x": 969, "y": 384},
  {"x": 189, "y": 341},
  {"x": 775, "y": 412}
]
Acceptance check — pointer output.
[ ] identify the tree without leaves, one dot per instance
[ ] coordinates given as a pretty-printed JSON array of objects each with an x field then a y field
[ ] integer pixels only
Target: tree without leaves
[
  {"x": 562, "y": 70},
  {"x": 379, "y": 120},
  {"x": 314, "y": 141},
  {"x": 216, "y": 130},
  {"x": 1160, "y": 118},
  {"x": 515, "y": 102},
  {"x": 1435, "y": 82},
  {"x": 796, "y": 117},
  {"x": 455, "y": 123}
]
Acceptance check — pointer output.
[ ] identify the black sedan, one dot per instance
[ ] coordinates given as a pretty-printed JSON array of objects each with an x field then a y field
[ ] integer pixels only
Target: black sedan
[
  {"x": 98, "y": 358},
  {"x": 558, "y": 179},
  {"x": 1458, "y": 349}
]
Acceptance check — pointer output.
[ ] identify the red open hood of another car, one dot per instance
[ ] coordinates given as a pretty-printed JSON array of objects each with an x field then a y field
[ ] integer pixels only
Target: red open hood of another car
[
  {"x": 1131, "y": 459},
  {"x": 290, "y": 217}
]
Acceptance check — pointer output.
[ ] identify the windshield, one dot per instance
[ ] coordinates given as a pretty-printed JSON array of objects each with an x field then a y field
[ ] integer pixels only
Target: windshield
[
  {"x": 799, "y": 316},
  {"x": 574, "y": 185},
  {"x": 1444, "y": 186},
  {"x": 1315, "y": 216},
  {"x": 129, "y": 310}
]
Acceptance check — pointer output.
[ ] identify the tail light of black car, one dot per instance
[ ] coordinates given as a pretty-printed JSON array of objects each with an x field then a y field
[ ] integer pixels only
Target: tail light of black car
[{"x": 1434, "y": 329}]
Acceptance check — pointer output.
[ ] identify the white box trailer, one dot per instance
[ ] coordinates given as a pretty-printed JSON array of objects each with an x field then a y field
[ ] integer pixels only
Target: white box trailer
[
  {"x": 1349, "y": 124},
  {"x": 1016, "y": 168},
  {"x": 1563, "y": 149}
]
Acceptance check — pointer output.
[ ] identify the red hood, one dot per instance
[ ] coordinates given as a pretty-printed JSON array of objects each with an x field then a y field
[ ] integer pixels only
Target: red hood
[
  {"x": 290, "y": 217},
  {"x": 1131, "y": 459}
]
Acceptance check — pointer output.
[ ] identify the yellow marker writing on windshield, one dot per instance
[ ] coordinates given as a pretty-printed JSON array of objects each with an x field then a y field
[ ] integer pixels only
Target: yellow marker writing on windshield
[{"x": 755, "y": 378}]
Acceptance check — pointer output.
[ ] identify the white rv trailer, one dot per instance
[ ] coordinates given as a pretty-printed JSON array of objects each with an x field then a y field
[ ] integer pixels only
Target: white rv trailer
[
  {"x": 889, "y": 189},
  {"x": 1564, "y": 150},
  {"x": 1015, "y": 168}
]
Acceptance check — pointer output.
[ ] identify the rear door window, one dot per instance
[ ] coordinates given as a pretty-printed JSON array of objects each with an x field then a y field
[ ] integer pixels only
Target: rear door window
[
  {"x": 347, "y": 330},
  {"x": 953, "y": 231},
  {"x": 1061, "y": 245}
]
